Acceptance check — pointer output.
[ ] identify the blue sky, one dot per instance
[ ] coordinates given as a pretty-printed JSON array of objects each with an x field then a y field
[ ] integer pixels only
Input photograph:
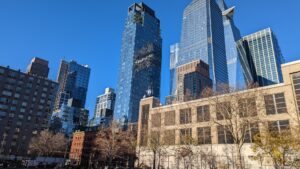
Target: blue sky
[{"x": 90, "y": 32}]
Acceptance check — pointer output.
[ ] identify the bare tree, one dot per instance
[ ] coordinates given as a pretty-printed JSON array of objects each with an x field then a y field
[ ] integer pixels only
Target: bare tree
[
  {"x": 107, "y": 142},
  {"x": 47, "y": 143},
  {"x": 236, "y": 115},
  {"x": 113, "y": 143}
]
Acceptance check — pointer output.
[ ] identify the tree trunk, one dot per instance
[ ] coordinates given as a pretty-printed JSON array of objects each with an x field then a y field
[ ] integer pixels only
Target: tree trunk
[
  {"x": 109, "y": 161},
  {"x": 239, "y": 161},
  {"x": 158, "y": 166},
  {"x": 154, "y": 160}
]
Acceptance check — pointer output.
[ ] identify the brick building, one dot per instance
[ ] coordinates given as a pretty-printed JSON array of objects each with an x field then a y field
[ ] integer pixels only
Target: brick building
[
  {"x": 280, "y": 106},
  {"x": 26, "y": 102}
]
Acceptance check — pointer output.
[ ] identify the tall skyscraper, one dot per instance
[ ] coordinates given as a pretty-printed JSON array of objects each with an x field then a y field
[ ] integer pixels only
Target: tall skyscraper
[
  {"x": 38, "y": 67},
  {"x": 140, "y": 65},
  {"x": 174, "y": 54},
  {"x": 104, "y": 108},
  {"x": 202, "y": 38},
  {"x": 26, "y": 102},
  {"x": 73, "y": 82},
  {"x": 239, "y": 74},
  {"x": 264, "y": 55}
]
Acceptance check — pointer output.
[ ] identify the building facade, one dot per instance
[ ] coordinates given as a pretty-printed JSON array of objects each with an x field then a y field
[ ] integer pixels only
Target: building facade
[
  {"x": 69, "y": 118},
  {"x": 140, "y": 65},
  {"x": 104, "y": 108},
  {"x": 202, "y": 38},
  {"x": 26, "y": 103},
  {"x": 276, "y": 107},
  {"x": 174, "y": 54},
  {"x": 38, "y": 67},
  {"x": 82, "y": 146},
  {"x": 239, "y": 74},
  {"x": 73, "y": 80},
  {"x": 192, "y": 79},
  {"x": 264, "y": 56}
]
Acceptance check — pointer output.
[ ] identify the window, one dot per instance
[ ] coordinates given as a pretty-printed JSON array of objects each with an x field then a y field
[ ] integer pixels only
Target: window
[
  {"x": 8, "y": 87},
  {"x": 2, "y": 114},
  {"x": 169, "y": 118},
  {"x": 155, "y": 137},
  {"x": 144, "y": 119},
  {"x": 145, "y": 114},
  {"x": 251, "y": 131},
  {"x": 169, "y": 137},
  {"x": 12, "y": 74},
  {"x": 186, "y": 136},
  {"x": 247, "y": 107},
  {"x": 275, "y": 104},
  {"x": 22, "y": 110},
  {"x": 6, "y": 93},
  {"x": 185, "y": 116},
  {"x": 203, "y": 114},
  {"x": 24, "y": 104},
  {"x": 2, "y": 71},
  {"x": 4, "y": 100},
  {"x": 14, "y": 102},
  {"x": 223, "y": 110},
  {"x": 42, "y": 101},
  {"x": 296, "y": 84},
  {"x": 41, "y": 107},
  {"x": 204, "y": 135},
  {"x": 156, "y": 118},
  {"x": 17, "y": 95},
  {"x": 19, "y": 123},
  {"x": 278, "y": 126},
  {"x": 18, "y": 89},
  {"x": 224, "y": 135},
  {"x": 3, "y": 106},
  {"x": 26, "y": 97}
]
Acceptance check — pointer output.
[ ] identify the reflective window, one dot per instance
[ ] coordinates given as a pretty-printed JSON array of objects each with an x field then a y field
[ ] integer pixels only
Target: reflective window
[
  {"x": 224, "y": 135},
  {"x": 204, "y": 135},
  {"x": 185, "y": 116},
  {"x": 251, "y": 132},
  {"x": 275, "y": 104},
  {"x": 186, "y": 136},
  {"x": 278, "y": 126},
  {"x": 203, "y": 114},
  {"x": 247, "y": 107},
  {"x": 223, "y": 110}
]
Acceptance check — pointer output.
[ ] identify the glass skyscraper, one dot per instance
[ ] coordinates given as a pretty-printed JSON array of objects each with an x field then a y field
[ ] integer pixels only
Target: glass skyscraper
[
  {"x": 174, "y": 53},
  {"x": 239, "y": 74},
  {"x": 202, "y": 38},
  {"x": 264, "y": 55},
  {"x": 73, "y": 80},
  {"x": 140, "y": 65}
]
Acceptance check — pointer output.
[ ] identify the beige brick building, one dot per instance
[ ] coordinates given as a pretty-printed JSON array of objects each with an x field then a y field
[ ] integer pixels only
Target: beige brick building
[{"x": 277, "y": 108}]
